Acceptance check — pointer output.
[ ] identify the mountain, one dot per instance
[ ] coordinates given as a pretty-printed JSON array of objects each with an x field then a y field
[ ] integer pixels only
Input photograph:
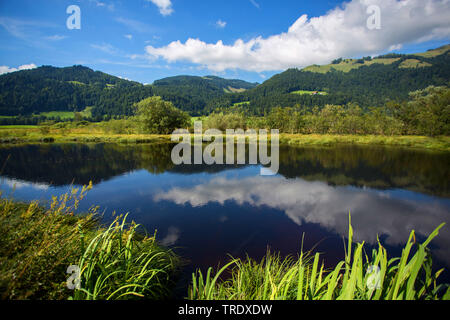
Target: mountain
[
  {"x": 366, "y": 81},
  {"x": 193, "y": 94},
  {"x": 75, "y": 88}
]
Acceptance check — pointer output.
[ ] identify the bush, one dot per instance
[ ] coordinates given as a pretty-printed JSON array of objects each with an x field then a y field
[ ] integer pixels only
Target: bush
[
  {"x": 160, "y": 117},
  {"x": 223, "y": 121}
]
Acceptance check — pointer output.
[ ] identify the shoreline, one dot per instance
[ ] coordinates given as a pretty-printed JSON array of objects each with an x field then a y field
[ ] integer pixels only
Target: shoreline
[{"x": 32, "y": 135}]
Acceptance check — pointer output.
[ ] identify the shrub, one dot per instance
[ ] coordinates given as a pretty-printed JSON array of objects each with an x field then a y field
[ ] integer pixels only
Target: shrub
[{"x": 160, "y": 117}]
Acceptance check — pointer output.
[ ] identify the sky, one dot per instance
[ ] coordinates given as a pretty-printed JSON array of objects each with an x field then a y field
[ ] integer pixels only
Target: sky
[{"x": 146, "y": 40}]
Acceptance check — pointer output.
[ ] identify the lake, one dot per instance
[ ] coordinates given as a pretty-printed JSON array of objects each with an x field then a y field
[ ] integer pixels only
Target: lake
[{"x": 207, "y": 212}]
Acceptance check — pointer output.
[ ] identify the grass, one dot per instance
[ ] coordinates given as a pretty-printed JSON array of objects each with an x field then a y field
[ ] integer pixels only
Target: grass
[
  {"x": 82, "y": 133},
  {"x": 100, "y": 132},
  {"x": 414, "y": 63},
  {"x": 67, "y": 115},
  {"x": 116, "y": 262},
  {"x": 19, "y": 126},
  {"x": 233, "y": 90},
  {"x": 306, "y": 92},
  {"x": 64, "y": 115},
  {"x": 120, "y": 262},
  {"x": 357, "y": 277},
  {"x": 431, "y": 143},
  {"x": 348, "y": 64},
  {"x": 244, "y": 103},
  {"x": 434, "y": 52}
]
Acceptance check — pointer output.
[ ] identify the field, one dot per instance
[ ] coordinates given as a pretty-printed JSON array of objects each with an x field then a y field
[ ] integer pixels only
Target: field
[
  {"x": 311, "y": 93},
  {"x": 237, "y": 104},
  {"x": 64, "y": 115},
  {"x": 102, "y": 132},
  {"x": 413, "y": 63},
  {"x": 348, "y": 65}
]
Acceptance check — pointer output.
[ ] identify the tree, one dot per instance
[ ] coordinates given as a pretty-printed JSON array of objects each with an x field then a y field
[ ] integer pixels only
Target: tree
[
  {"x": 158, "y": 116},
  {"x": 77, "y": 116},
  {"x": 427, "y": 113}
]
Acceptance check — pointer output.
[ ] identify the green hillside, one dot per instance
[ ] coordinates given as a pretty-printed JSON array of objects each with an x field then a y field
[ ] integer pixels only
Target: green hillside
[
  {"x": 57, "y": 92},
  {"x": 194, "y": 94},
  {"x": 367, "y": 82}
]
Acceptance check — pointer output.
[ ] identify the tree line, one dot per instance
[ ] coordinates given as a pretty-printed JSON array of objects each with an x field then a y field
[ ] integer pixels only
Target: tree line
[{"x": 427, "y": 112}]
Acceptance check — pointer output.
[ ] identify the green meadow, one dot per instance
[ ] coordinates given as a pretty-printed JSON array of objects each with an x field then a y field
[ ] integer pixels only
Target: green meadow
[{"x": 306, "y": 92}]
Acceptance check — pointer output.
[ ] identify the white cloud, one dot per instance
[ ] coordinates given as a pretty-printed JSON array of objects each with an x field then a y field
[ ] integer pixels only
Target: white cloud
[
  {"x": 342, "y": 32},
  {"x": 373, "y": 212},
  {"x": 164, "y": 6},
  {"x": 6, "y": 69},
  {"x": 20, "y": 184},
  {"x": 110, "y": 6},
  {"x": 56, "y": 37},
  {"x": 256, "y": 4},
  {"x": 129, "y": 36},
  {"x": 106, "y": 47},
  {"x": 136, "y": 25},
  {"x": 221, "y": 24}
]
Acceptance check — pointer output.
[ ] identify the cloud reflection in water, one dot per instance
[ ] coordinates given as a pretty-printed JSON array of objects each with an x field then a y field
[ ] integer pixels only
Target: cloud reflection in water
[{"x": 373, "y": 212}]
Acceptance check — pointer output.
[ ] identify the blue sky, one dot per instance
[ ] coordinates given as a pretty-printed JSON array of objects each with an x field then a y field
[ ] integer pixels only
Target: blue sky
[{"x": 145, "y": 40}]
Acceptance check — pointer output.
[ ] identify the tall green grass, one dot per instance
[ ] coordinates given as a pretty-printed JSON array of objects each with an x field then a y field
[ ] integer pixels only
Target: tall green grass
[
  {"x": 119, "y": 263},
  {"x": 357, "y": 277},
  {"x": 38, "y": 244}
]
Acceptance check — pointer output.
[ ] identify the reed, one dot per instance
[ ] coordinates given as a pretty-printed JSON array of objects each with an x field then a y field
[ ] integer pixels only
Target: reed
[
  {"x": 116, "y": 262},
  {"x": 120, "y": 263},
  {"x": 357, "y": 277}
]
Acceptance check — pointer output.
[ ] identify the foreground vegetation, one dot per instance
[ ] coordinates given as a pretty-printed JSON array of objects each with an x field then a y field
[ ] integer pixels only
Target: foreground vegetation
[
  {"x": 358, "y": 277},
  {"x": 122, "y": 262},
  {"x": 117, "y": 262}
]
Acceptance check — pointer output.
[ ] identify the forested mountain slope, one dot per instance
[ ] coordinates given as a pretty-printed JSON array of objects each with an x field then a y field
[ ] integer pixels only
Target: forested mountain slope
[{"x": 366, "y": 82}]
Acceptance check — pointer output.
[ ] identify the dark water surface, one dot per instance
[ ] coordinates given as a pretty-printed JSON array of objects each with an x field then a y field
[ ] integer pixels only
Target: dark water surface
[{"x": 206, "y": 212}]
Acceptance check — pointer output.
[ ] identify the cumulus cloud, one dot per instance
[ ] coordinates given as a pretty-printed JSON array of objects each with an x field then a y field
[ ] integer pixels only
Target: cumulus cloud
[
  {"x": 221, "y": 24},
  {"x": 373, "y": 213},
  {"x": 164, "y": 6},
  {"x": 6, "y": 69},
  {"x": 342, "y": 32}
]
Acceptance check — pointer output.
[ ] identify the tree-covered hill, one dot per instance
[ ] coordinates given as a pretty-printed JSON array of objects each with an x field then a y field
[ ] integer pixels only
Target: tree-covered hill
[
  {"x": 193, "y": 94},
  {"x": 366, "y": 82},
  {"x": 74, "y": 88},
  {"x": 67, "y": 89}
]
